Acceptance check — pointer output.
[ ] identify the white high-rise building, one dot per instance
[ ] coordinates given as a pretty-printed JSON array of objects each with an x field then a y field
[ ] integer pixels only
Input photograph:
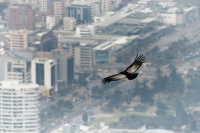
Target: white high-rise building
[
  {"x": 44, "y": 73},
  {"x": 19, "y": 107},
  {"x": 50, "y": 22}
]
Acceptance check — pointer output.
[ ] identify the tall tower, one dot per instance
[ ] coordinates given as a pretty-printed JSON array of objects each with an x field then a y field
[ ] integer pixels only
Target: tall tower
[{"x": 19, "y": 107}]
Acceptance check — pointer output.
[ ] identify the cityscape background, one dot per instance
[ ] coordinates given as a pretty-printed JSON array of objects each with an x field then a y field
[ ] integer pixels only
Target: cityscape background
[{"x": 52, "y": 51}]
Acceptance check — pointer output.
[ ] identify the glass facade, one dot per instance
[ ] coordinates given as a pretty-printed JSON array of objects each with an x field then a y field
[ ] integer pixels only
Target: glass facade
[
  {"x": 39, "y": 74},
  {"x": 53, "y": 75},
  {"x": 70, "y": 70}
]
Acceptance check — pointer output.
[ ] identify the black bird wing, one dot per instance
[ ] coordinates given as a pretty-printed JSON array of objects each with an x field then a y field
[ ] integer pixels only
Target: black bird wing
[
  {"x": 112, "y": 78},
  {"x": 137, "y": 63}
]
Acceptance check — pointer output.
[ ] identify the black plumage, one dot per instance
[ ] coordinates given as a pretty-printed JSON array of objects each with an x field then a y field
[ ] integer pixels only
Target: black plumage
[{"x": 129, "y": 72}]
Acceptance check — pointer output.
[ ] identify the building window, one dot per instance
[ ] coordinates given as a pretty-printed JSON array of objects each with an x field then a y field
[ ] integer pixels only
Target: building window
[
  {"x": 40, "y": 74},
  {"x": 53, "y": 75}
]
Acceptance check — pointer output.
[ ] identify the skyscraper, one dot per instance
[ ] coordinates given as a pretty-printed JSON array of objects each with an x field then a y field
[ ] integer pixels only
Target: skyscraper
[
  {"x": 19, "y": 107},
  {"x": 21, "y": 16}
]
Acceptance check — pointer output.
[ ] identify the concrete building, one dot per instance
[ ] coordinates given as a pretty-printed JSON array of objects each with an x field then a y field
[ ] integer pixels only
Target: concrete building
[
  {"x": 50, "y": 22},
  {"x": 26, "y": 15},
  {"x": 109, "y": 51},
  {"x": 80, "y": 12},
  {"x": 19, "y": 39},
  {"x": 69, "y": 23},
  {"x": 95, "y": 6},
  {"x": 106, "y": 6},
  {"x": 44, "y": 5},
  {"x": 85, "y": 30},
  {"x": 65, "y": 66},
  {"x": 19, "y": 107},
  {"x": 16, "y": 69},
  {"x": 83, "y": 57},
  {"x": 44, "y": 73},
  {"x": 58, "y": 10},
  {"x": 45, "y": 41}
]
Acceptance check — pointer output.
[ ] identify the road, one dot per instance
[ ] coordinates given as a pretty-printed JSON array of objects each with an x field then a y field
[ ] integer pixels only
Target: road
[{"x": 189, "y": 31}]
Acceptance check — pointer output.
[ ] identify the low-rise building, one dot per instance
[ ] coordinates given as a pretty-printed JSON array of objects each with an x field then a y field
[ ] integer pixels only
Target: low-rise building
[{"x": 69, "y": 23}]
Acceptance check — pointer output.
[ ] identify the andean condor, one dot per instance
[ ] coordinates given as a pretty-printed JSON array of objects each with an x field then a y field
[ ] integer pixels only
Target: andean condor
[{"x": 129, "y": 72}]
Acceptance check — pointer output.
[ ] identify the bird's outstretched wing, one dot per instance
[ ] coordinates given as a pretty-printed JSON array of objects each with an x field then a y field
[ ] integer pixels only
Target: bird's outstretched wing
[
  {"x": 112, "y": 78},
  {"x": 137, "y": 63}
]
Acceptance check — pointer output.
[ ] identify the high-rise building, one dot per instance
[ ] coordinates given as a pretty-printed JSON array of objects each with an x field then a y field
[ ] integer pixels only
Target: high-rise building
[
  {"x": 21, "y": 16},
  {"x": 44, "y": 73},
  {"x": 95, "y": 6},
  {"x": 19, "y": 107},
  {"x": 44, "y": 5},
  {"x": 65, "y": 66},
  {"x": 58, "y": 10},
  {"x": 19, "y": 39},
  {"x": 80, "y": 12},
  {"x": 50, "y": 22},
  {"x": 83, "y": 57},
  {"x": 69, "y": 23},
  {"x": 16, "y": 69}
]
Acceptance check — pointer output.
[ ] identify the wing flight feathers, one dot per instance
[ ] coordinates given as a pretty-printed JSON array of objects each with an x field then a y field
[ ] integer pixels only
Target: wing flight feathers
[
  {"x": 139, "y": 60},
  {"x": 112, "y": 78}
]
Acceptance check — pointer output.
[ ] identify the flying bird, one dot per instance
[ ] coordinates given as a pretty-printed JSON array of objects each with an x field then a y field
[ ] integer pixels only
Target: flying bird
[{"x": 129, "y": 72}]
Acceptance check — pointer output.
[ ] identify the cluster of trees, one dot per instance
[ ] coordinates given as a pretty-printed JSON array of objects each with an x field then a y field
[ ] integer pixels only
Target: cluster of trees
[{"x": 56, "y": 111}]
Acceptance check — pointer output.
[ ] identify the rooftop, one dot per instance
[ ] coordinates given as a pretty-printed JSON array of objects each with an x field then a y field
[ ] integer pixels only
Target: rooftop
[
  {"x": 124, "y": 12},
  {"x": 115, "y": 43},
  {"x": 16, "y": 85},
  {"x": 41, "y": 54}
]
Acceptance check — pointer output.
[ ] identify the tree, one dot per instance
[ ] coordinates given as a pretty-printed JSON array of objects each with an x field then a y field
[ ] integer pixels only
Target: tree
[
  {"x": 115, "y": 99},
  {"x": 181, "y": 115},
  {"x": 85, "y": 117},
  {"x": 62, "y": 91},
  {"x": 176, "y": 81},
  {"x": 145, "y": 94},
  {"x": 161, "y": 108}
]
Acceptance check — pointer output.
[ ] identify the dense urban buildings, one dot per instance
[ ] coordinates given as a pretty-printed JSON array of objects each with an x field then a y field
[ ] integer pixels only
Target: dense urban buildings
[{"x": 53, "y": 50}]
